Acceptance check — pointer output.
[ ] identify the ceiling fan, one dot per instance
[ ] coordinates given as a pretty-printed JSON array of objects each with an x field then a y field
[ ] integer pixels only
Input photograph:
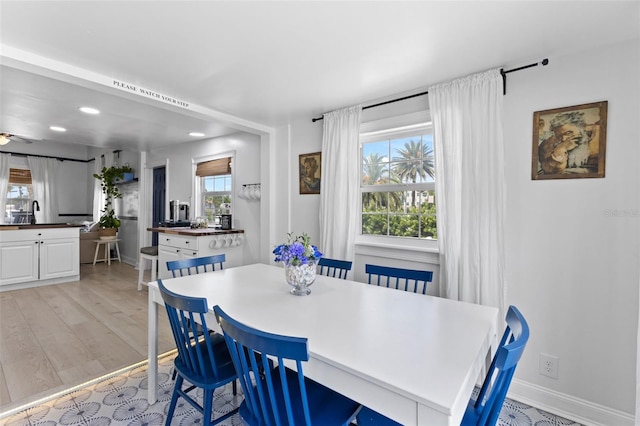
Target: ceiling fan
[{"x": 5, "y": 138}]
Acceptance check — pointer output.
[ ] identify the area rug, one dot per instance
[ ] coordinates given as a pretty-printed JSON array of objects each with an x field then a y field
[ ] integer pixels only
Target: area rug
[{"x": 122, "y": 400}]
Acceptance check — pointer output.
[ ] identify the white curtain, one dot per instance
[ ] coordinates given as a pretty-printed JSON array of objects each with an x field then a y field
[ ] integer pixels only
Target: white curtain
[
  {"x": 470, "y": 187},
  {"x": 339, "y": 182},
  {"x": 4, "y": 186},
  {"x": 44, "y": 181}
]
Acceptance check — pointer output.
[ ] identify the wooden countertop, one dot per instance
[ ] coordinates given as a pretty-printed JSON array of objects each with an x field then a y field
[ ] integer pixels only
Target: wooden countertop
[
  {"x": 197, "y": 232},
  {"x": 18, "y": 226}
]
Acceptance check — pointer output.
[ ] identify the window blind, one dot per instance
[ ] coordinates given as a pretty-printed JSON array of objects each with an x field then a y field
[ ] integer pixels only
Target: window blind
[
  {"x": 221, "y": 166},
  {"x": 20, "y": 176}
]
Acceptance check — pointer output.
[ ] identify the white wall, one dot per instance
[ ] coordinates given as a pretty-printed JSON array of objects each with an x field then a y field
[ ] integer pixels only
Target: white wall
[
  {"x": 246, "y": 213},
  {"x": 572, "y": 264}
]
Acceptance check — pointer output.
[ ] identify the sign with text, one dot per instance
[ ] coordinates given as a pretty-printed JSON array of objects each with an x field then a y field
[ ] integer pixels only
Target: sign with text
[{"x": 132, "y": 88}]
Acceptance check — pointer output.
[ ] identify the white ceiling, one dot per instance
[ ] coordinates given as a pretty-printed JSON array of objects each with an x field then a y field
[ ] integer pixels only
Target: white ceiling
[{"x": 266, "y": 62}]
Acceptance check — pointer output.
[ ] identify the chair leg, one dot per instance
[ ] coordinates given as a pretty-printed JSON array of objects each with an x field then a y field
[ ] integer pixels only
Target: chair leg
[
  {"x": 154, "y": 269},
  {"x": 207, "y": 408},
  {"x": 174, "y": 400},
  {"x": 141, "y": 263}
]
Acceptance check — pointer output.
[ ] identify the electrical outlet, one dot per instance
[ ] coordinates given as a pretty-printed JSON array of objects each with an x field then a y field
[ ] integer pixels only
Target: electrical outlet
[{"x": 549, "y": 365}]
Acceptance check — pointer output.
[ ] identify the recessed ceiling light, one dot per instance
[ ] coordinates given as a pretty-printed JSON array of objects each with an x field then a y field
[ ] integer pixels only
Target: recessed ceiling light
[
  {"x": 197, "y": 134},
  {"x": 89, "y": 110},
  {"x": 58, "y": 129}
]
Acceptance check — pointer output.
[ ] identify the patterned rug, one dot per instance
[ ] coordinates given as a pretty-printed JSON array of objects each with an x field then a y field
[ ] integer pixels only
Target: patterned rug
[{"x": 122, "y": 400}]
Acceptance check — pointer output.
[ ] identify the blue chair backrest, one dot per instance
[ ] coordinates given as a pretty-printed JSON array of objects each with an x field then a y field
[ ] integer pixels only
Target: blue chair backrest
[
  {"x": 334, "y": 267},
  {"x": 196, "y": 354},
  {"x": 495, "y": 386},
  {"x": 195, "y": 265},
  {"x": 399, "y": 278},
  {"x": 270, "y": 402}
]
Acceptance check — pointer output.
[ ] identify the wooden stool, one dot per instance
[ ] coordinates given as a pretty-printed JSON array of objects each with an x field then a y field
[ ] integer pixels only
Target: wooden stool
[
  {"x": 107, "y": 251},
  {"x": 150, "y": 253}
]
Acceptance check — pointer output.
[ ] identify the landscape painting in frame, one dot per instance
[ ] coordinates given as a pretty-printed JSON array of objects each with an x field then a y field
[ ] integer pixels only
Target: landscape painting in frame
[
  {"x": 569, "y": 142},
  {"x": 309, "y": 175}
]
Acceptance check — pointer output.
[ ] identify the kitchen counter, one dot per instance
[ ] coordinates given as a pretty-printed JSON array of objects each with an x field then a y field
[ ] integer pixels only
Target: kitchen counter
[
  {"x": 36, "y": 255},
  {"x": 183, "y": 243},
  {"x": 197, "y": 232},
  {"x": 16, "y": 226}
]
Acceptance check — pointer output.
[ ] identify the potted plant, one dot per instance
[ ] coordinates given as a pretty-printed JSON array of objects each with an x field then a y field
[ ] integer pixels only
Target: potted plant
[{"x": 108, "y": 176}]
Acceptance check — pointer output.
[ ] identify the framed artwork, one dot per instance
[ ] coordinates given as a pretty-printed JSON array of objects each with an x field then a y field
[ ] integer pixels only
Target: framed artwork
[
  {"x": 309, "y": 173},
  {"x": 569, "y": 142}
]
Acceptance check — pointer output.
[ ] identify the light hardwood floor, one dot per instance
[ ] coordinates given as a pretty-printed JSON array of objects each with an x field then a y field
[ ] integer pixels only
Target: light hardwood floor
[{"x": 57, "y": 336}]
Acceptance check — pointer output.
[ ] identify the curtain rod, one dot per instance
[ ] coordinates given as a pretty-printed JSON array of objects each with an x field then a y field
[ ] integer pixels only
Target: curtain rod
[
  {"x": 504, "y": 73},
  {"x": 20, "y": 154}
]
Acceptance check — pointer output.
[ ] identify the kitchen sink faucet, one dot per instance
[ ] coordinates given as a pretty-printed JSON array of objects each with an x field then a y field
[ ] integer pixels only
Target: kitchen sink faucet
[{"x": 34, "y": 210}]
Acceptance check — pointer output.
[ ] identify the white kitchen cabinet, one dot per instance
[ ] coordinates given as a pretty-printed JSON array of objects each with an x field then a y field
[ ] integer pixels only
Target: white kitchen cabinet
[
  {"x": 59, "y": 258},
  {"x": 182, "y": 244},
  {"x": 38, "y": 256},
  {"x": 175, "y": 247},
  {"x": 18, "y": 261}
]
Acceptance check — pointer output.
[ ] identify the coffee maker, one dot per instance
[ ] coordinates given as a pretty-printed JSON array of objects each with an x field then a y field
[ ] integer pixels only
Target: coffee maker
[
  {"x": 178, "y": 214},
  {"x": 174, "y": 210},
  {"x": 183, "y": 212}
]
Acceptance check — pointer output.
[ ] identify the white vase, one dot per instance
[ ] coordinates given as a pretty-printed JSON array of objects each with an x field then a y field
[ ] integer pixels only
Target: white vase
[{"x": 300, "y": 277}]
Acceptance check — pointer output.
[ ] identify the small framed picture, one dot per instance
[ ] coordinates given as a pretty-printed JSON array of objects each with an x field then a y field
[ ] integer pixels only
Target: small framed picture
[
  {"x": 309, "y": 173},
  {"x": 569, "y": 142}
]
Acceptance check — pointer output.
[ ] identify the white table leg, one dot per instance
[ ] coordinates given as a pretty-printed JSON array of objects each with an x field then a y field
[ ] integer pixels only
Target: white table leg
[
  {"x": 107, "y": 252},
  {"x": 118, "y": 251},
  {"x": 152, "y": 369}
]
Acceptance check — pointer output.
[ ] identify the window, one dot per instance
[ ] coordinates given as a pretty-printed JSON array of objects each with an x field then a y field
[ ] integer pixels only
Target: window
[
  {"x": 19, "y": 196},
  {"x": 216, "y": 196},
  {"x": 397, "y": 184},
  {"x": 215, "y": 185}
]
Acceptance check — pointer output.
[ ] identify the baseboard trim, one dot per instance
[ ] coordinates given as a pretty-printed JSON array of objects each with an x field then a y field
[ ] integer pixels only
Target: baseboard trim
[{"x": 576, "y": 409}]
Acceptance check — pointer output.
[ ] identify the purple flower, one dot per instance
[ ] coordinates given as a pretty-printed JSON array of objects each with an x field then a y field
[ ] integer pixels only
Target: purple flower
[{"x": 297, "y": 251}]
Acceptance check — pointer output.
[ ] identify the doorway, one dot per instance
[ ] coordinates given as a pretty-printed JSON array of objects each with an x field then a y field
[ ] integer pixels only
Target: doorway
[{"x": 158, "y": 202}]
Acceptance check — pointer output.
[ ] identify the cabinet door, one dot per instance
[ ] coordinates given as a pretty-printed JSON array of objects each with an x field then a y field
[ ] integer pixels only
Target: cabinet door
[
  {"x": 59, "y": 258},
  {"x": 18, "y": 262},
  {"x": 166, "y": 254}
]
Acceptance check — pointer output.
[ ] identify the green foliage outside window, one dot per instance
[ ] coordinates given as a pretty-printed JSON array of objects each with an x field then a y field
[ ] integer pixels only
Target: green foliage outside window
[
  {"x": 407, "y": 163},
  {"x": 417, "y": 222}
]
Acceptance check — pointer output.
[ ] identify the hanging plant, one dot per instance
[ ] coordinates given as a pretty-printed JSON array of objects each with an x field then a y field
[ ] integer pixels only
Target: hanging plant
[{"x": 108, "y": 177}]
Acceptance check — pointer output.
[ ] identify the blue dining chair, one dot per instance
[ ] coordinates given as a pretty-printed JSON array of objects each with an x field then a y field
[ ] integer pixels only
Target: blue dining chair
[
  {"x": 195, "y": 265},
  {"x": 485, "y": 409},
  {"x": 279, "y": 396},
  {"x": 203, "y": 360},
  {"x": 334, "y": 267},
  {"x": 401, "y": 279}
]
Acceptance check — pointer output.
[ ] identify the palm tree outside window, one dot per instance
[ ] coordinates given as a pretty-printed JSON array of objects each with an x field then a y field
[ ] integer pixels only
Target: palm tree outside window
[{"x": 398, "y": 184}]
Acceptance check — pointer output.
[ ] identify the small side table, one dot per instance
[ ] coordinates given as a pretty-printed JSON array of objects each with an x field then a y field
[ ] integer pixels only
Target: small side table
[{"x": 107, "y": 251}]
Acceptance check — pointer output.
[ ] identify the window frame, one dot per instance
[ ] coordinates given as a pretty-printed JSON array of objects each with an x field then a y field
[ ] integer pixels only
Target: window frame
[
  {"x": 394, "y": 128},
  {"x": 20, "y": 163},
  {"x": 197, "y": 192}
]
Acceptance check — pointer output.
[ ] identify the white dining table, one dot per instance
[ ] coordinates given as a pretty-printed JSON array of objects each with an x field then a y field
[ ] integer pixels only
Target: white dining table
[{"x": 414, "y": 358}]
